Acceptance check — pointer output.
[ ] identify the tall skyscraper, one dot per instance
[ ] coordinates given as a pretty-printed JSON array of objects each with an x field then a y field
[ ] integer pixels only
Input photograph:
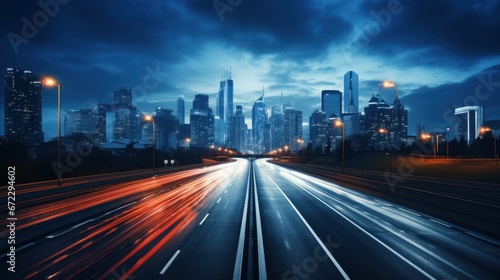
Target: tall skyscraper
[
  {"x": 276, "y": 128},
  {"x": 318, "y": 126},
  {"x": 331, "y": 103},
  {"x": 201, "y": 122},
  {"x": 126, "y": 119},
  {"x": 181, "y": 110},
  {"x": 87, "y": 121},
  {"x": 224, "y": 106},
  {"x": 351, "y": 92},
  {"x": 293, "y": 128},
  {"x": 259, "y": 121},
  {"x": 166, "y": 129},
  {"x": 237, "y": 130},
  {"x": 469, "y": 122},
  {"x": 23, "y": 106},
  {"x": 394, "y": 119}
]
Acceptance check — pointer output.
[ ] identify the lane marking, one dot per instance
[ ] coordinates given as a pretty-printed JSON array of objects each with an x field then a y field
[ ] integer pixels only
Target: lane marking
[
  {"x": 483, "y": 238},
  {"x": 260, "y": 240},
  {"x": 219, "y": 199},
  {"x": 225, "y": 191},
  {"x": 206, "y": 216},
  {"x": 371, "y": 235},
  {"x": 408, "y": 211},
  {"x": 334, "y": 261},
  {"x": 241, "y": 243},
  {"x": 441, "y": 223},
  {"x": 170, "y": 262}
]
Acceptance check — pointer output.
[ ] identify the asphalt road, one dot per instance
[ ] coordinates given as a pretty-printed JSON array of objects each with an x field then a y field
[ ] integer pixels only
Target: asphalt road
[{"x": 239, "y": 220}]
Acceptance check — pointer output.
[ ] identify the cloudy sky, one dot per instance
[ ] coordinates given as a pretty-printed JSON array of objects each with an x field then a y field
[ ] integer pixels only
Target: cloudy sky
[{"x": 441, "y": 54}]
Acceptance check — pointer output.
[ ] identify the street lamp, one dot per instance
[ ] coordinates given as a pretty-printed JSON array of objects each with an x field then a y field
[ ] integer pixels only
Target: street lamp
[
  {"x": 386, "y": 132},
  {"x": 186, "y": 141},
  {"x": 339, "y": 123},
  {"x": 50, "y": 82},
  {"x": 210, "y": 151},
  {"x": 427, "y": 136},
  {"x": 485, "y": 129},
  {"x": 286, "y": 149},
  {"x": 152, "y": 120},
  {"x": 447, "y": 144},
  {"x": 389, "y": 84},
  {"x": 301, "y": 142}
]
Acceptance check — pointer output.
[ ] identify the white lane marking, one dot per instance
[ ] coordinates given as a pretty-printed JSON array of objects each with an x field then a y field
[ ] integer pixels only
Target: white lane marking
[
  {"x": 170, "y": 262},
  {"x": 260, "y": 240},
  {"x": 408, "y": 211},
  {"x": 441, "y": 223},
  {"x": 225, "y": 191},
  {"x": 21, "y": 248},
  {"x": 372, "y": 236},
  {"x": 241, "y": 243},
  {"x": 148, "y": 196},
  {"x": 483, "y": 238},
  {"x": 88, "y": 221},
  {"x": 334, "y": 261},
  {"x": 219, "y": 199},
  {"x": 287, "y": 245},
  {"x": 206, "y": 216},
  {"x": 387, "y": 204}
]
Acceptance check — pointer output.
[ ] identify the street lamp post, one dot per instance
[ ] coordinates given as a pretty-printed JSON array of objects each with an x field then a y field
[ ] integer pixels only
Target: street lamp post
[
  {"x": 447, "y": 144},
  {"x": 50, "y": 82},
  {"x": 152, "y": 119},
  {"x": 210, "y": 151},
  {"x": 386, "y": 132},
  {"x": 340, "y": 123},
  {"x": 301, "y": 142},
  {"x": 186, "y": 141}
]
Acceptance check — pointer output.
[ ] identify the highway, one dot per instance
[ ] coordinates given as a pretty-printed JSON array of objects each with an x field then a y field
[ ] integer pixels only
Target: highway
[{"x": 239, "y": 220}]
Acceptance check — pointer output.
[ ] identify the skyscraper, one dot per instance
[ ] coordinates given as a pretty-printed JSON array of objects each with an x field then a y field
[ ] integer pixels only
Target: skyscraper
[
  {"x": 276, "y": 128},
  {"x": 23, "y": 106},
  {"x": 201, "y": 122},
  {"x": 237, "y": 130},
  {"x": 293, "y": 128},
  {"x": 126, "y": 119},
  {"x": 224, "y": 106},
  {"x": 166, "y": 129},
  {"x": 351, "y": 92},
  {"x": 469, "y": 122},
  {"x": 259, "y": 121},
  {"x": 331, "y": 103},
  {"x": 181, "y": 110},
  {"x": 318, "y": 125}
]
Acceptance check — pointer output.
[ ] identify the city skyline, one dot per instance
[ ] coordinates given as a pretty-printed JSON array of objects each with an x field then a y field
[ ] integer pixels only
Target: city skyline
[{"x": 437, "y": 64}]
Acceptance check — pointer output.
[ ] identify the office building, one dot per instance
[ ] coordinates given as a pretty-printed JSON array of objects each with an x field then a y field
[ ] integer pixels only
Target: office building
[
  {"x": 331, "y": 103},
  {"x": 237, "y": 130},
  {"x": 318, "y": 126},
  {"x": 293, "y": 129},
  {"x": 181, "y": 110},
  {"x": 201, "y": 122},
  {"x": 23, "y": 106},
  {"x": 469, "y": 120},
  {"x": 351, "y": 92},
  {"x": 276, "y": 128},
  {"x": 259, "y": 121}
]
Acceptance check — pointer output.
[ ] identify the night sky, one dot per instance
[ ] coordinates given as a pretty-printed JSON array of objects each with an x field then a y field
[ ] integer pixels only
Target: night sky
[{"x": 441, "y": 54}]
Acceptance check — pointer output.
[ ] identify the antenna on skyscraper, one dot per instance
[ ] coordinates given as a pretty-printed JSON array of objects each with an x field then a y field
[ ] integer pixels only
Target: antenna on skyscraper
[
  {"x": 229, "y": 72},
  {"x": 222, "y": 72}
]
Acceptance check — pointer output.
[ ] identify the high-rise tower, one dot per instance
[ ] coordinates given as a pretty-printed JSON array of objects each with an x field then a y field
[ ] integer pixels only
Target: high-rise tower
[
  {"x": 181, "y": 110},
  {"x": 351, "y": 92},
  {"x": 23, "y": 106},
  {"x": 259, "y": 121}
]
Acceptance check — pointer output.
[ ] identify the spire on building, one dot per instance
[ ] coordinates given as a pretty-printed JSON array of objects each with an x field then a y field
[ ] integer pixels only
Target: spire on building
[
  {"x": 222, "y": 72},
  {"x": 229, "y": 72}
]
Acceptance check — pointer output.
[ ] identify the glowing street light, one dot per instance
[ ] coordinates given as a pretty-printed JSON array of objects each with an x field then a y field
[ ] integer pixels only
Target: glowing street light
[
  {"x": 51, "y": 82},
  {"x": 427, "y": 136},
  {"x": 339, "y": 123},
  {"x": 389, "y": 84},
  {"x": 486, "y": 129},
  {"x": 210, "y": 151},
  {"x": 386, "y": 132},
  {"x": 151, "y": 119},
  {"x": 186, "y": 141}
]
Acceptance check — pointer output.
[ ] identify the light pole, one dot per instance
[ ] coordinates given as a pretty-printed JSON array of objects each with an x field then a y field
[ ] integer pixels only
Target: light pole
[
  {"x": 210, "y": 151},
  {"x": 485, "y": 129},
  {"x": 186, "y": 141},
  {"x": 447, "y": 144},
  {"x": 50, "y": 82},
  {"x": 301, "y": 142},
  {"x": 340, "y": 123},
  {"x": 286, "y": 150},
  {"x": 389, "y": 84},
  {"x": 386, "y": 132},
  {"x": 152, "y": 119}
]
